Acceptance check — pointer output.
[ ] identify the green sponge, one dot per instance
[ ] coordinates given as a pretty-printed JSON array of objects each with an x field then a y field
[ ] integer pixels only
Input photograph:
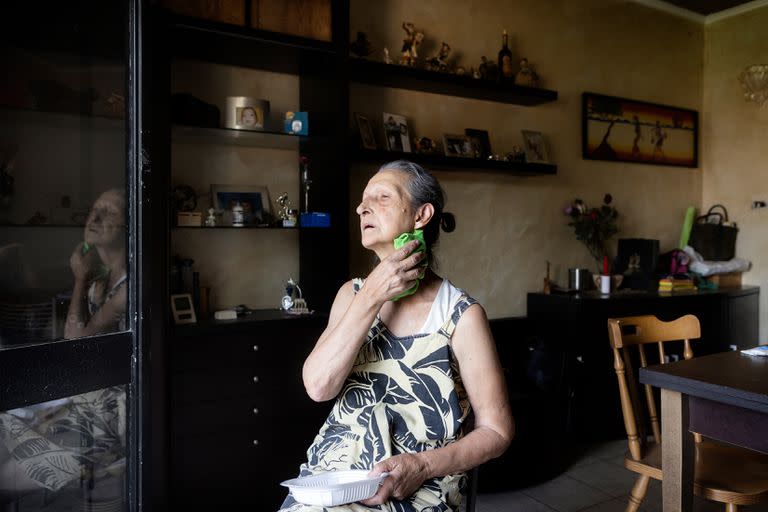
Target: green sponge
[{"x": 400, "y": 241}]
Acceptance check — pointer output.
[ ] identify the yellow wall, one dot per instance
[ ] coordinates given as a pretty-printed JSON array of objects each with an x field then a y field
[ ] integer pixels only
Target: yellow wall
[
  {"x": 508, "y": 227},
  {"x": 736, "y": 139}
]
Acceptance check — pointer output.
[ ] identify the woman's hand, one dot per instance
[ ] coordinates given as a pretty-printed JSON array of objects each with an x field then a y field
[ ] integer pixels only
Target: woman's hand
[
  {"x": 394, "y": 274},
  {"x": 407, "y": 473},
  {"x": 83, "y": 265}
]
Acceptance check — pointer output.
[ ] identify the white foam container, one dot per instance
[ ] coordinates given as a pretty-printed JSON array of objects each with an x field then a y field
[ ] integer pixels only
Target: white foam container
[{"x": 334, "y": 487}]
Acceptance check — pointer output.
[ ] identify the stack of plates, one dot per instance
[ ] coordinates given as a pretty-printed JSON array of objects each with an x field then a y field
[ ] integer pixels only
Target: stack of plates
[
  {"x": 26, "y": 323},
  {"x": 334, "y": 487}
]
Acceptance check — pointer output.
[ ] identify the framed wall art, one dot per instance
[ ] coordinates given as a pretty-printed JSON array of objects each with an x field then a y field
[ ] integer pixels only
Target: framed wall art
[{"x": 623, "y": 130}]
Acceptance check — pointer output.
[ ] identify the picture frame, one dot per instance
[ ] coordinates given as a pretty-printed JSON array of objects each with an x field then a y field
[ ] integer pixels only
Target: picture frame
[
  {"x": 365, "y": 130},
  {"x": 625, "y": 130},
  {"x": 535, "y": 148},
  {"x": 183, "y": 309},
  {"x": 457, "y": 146},
  {"x": 397, "y": 136},
  {"x": 246, "y": 113},
  {"x": 481, "y": 142},
  {"x": 253, "y": 198}
]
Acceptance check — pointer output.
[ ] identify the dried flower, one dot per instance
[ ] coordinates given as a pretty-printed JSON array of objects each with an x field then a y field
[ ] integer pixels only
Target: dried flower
[{"x": 593, "y": 226}]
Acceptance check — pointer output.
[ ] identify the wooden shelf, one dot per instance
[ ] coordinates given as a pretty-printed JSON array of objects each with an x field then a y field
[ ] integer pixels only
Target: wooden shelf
[
  {"x": 260, "y": 49},
  {"x": 233, "y": 137},
  {"x": 416, "y": 79},
  {"x": 447, "y": 163},
  {"x": 233, "y": 227},
  {"x": 17, "y": 225}
]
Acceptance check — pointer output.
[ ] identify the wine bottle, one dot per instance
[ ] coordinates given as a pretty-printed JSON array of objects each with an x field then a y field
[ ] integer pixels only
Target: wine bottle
[{"x": 505, "y": 60}]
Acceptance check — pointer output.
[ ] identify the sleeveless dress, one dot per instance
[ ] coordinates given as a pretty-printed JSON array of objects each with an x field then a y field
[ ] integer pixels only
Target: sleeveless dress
[{"x": 403, "y": 395}]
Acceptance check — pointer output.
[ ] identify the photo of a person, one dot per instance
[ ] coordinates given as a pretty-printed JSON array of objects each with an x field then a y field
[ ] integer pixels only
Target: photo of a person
[
  {"x": 250, "y": 117},
  {"x": 366, "y": 132},
  {"x": 396, "y": 133}
]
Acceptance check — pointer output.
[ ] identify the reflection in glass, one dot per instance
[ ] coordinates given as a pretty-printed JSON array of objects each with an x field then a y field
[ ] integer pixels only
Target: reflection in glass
[
  {"x": 65, "y": 455},
  {"x": 62, "y": 171}
]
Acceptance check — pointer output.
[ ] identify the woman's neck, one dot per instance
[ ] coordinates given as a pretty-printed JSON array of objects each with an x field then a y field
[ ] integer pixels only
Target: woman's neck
[{"x": 114, "y": 261}]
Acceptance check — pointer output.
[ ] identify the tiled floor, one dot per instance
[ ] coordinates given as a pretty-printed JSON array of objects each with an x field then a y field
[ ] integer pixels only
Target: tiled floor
[{"x": 596, "y": 482}]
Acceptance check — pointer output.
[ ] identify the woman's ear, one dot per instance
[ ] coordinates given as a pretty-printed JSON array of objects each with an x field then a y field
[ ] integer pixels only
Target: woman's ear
[{"x": 424, "y": 215}]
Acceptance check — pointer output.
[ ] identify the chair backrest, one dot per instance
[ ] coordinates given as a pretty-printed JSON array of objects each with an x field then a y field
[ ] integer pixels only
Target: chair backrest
[{"x": 639, "y": 331}]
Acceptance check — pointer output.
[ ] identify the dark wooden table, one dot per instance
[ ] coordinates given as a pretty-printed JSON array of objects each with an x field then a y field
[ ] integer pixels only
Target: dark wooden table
[{"x": 722, "y": 396}]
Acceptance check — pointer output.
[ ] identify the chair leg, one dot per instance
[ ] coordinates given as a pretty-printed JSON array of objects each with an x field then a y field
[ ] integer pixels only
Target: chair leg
[
  {"x": 639, "y": 490},
  {"x": 731, "y": 507}
]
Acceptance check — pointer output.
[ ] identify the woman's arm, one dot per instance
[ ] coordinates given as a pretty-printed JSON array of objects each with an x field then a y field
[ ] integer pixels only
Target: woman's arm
[
  {"x": 106, "y": 319},
  {"x": 328, "y": 365},
  {"x": 494, "y": 428}
]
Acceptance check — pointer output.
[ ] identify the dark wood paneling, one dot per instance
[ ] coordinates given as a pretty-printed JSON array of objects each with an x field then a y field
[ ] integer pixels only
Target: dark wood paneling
[
  {"x": 305, "y": 18},
  {"x": 224, "y": 11}
]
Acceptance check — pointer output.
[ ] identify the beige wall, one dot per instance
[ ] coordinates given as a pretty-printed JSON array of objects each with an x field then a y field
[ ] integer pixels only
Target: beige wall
[
  {"x": 248, "y": 266},
  {"x": 507, "y": 227},
  {"x": 736, "y": 139}
]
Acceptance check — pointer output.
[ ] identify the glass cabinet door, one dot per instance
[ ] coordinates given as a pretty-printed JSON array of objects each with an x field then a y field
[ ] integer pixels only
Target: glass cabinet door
[{"x": 67, "y": 226}]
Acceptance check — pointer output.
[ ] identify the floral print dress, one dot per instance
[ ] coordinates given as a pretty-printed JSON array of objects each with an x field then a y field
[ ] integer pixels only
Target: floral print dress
[{"x": 403, "y": 395}]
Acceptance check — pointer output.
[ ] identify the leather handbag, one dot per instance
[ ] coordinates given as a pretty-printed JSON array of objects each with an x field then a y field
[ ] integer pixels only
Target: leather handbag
[{"x": 712, "y": 237}]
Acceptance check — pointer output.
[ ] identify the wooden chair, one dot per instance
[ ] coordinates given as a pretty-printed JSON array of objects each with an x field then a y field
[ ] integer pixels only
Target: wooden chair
[{"x": 724, "y": 473}]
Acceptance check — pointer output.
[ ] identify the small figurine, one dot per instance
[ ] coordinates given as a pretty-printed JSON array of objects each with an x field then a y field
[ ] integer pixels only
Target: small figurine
[
  {"x": 424, "y": 145},
  {"x": 387, "y": 58},
  {"x": 461, "y": 71},
  {"x": 210, "y": 220},
  {"x": 238, "y": 215},
  {"x": 285, "y": 211},
  {"x": 440, "y": 61},
  {"x": 526, "y": 76},
  {"x": 475, "y": 73},
  {"x": 360, "y": 46},
  {"x": 411, "y": 42},
  {"x": 547, "y": 283},
  {"x": 488, "y": 69},
  {"x": 516, "y": 155},
  {"x": 293, "y": 302}
]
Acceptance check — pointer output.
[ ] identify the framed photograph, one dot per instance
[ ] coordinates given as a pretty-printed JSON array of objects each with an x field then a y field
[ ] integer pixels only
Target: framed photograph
[
  {"x": 253, "y": 198},
  {"x": 623, "y": 130},
  {"x": 396, "y": 133},
  {"x": 481, "y": 143},
  {"x": 535, "y": 149},
  {"x": 182, "y": 308},
  {"x": 245, "y": 113},
  {"x": 365, "y": 128},
  {"x": 456, "y": 145}
]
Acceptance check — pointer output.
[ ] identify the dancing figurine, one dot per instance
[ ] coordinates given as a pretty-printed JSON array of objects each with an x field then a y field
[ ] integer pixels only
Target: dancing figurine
[{"x": 411, "y": 42}]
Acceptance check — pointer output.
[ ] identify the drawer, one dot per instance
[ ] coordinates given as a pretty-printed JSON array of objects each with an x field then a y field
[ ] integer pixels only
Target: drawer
[
  {"x": 202, "y": 386},
  {"x": 233, "y": 352},
  {"x": 217, "y": 417}
]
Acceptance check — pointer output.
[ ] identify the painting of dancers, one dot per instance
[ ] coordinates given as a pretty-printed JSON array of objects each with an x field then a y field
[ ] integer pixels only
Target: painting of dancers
[{"x": 623, "y": 130}]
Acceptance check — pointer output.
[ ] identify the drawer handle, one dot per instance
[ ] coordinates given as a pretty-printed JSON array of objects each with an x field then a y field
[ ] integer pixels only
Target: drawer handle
[
  {"x": 255, "y": 348},
  {"x": 255, "y": 442},
  {"x": 255, "y": 410},
  {"x": 255, "y": 379}
]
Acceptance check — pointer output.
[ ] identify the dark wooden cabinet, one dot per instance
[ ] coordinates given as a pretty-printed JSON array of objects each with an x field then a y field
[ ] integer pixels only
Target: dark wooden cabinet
[
  {"x": 241, "y": 421},
  {"x": 573, "y": 329}
]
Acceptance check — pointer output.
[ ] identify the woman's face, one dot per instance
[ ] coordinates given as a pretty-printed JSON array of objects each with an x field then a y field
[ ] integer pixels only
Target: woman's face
[
  {"x": 248, "y": 117},
  {"x": 105, "y": 225},
  {"x": 385, "y": 211}
]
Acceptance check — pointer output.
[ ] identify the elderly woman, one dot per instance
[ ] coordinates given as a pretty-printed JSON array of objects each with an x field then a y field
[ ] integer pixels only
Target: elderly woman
[
  {"x": 99, "y": 295},
  {"x": 407, "y": 374}
]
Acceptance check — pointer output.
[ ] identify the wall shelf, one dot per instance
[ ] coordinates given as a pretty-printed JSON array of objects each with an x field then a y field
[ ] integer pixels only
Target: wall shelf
[
  {"x": 416, "y": 79},
  {"x": 232, "y": 137},
  {"x": 448, "y": 163},
  {"x": 233, "y": 227}
]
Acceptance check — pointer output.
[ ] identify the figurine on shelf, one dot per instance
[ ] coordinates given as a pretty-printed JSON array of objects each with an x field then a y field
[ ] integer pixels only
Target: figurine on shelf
[
  {"x": 360, "y": 46},
  {"x": 210, "y": 220},
  {"x": 461, "y": 71},
  {"x": 424, "y": 145},
  {"x": 387, "y": 59},
  {"x": 527, "y": 75},
  {"x": 474, "y": 73},
  {"x": 306, "y": 181},
  {"x": 440, "y": 61},
  {"x": 284, "y": 211},
  {"x": 411, "y": 43},
  {"x": 488, "y": 69},
  {"x": 516, "y": 155}
]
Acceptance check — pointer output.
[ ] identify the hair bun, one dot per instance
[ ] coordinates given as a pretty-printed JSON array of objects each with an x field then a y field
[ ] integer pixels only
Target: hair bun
[{"x": 448, "y": 222}]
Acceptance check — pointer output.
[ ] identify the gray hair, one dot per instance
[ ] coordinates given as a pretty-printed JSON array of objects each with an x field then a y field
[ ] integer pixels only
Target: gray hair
[{"x": 424, "y": 188}]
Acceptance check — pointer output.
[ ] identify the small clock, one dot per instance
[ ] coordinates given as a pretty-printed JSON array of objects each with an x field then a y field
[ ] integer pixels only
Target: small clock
[{"x": 183, "y": 311}]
